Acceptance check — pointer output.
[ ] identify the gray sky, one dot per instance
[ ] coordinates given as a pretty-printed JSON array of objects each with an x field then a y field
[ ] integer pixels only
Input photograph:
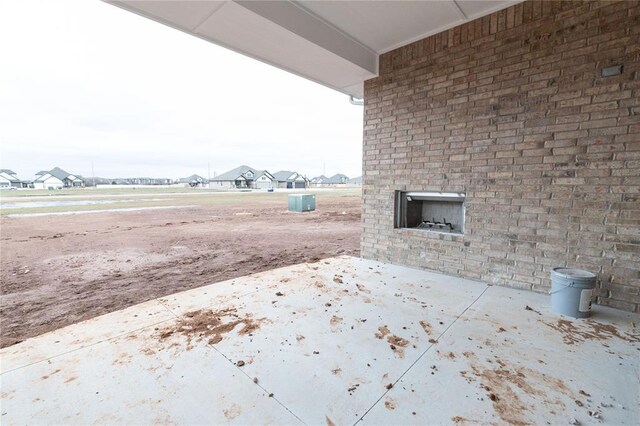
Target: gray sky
[{"x": 84, "y": 81}]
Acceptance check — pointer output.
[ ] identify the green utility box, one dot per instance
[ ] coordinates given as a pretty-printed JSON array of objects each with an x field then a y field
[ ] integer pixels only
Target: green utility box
[{"x": 302, "y": 202}]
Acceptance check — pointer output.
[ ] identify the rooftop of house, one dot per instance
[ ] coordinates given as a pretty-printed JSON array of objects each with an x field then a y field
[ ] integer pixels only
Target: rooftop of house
[
  {"x": 284, "y": 175},
  {"x": 234, "y": 174},
  {"x": 337, "y": 178},
  {"x": 57, "y": 172},
  {"x": 10, "y": 175},
  {"x": 263, "y": 172},
  {"x": 193, "y": 178}
]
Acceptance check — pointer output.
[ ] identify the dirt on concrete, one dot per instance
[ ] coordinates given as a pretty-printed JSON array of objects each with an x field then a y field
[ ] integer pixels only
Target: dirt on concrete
[
  {"x": 210, "y": 325},
  {"x": 59, "y": 270}
]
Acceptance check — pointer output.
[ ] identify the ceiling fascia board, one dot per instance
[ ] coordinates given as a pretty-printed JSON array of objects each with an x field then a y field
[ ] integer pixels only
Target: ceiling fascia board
[
  {"x": 460, "y": 12},
  {"x": 355, "y": 89},
  {"x": 298, "y": 20}
]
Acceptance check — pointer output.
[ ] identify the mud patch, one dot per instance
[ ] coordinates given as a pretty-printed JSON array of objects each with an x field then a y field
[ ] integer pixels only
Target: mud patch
[
  {"x": 426, "y": 326},
  {"x": 398, "y": 341},
  {"x": 232, "y": 412},
  {"x": 390, "y": 404},
  {"x": 461, "y": 420},
  {"x": 510, "y": 387},
  {"x": 573, "y": 333},
  {"x": 45, "y": 377},
  {"x": 363, "y": 289},
  {"x": 207, "y": 324},
  {"x": 382, "y": 332},
  {"x": 101, "y": 263},
  {"x": 335, "y": 321},
  {"x": 397, "y": 344}
]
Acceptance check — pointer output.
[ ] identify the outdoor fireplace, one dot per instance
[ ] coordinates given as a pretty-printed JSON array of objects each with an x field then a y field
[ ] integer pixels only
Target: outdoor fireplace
[{"x": 430, "y": 211}]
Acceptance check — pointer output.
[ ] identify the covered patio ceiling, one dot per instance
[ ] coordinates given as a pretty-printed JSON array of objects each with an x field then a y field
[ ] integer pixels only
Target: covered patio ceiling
[{"x": 334, "y": 43}]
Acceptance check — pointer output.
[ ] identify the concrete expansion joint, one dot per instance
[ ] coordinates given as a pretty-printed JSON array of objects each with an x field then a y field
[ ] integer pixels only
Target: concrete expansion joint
[
  {"x": 422, "y": 355},
  {"x": 97, "y": 342},
  {"x": 255, "y": 381}
]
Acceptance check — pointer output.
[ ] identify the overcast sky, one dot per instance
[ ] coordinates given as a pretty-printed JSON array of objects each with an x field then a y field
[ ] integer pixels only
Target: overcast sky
[{"x": 83, "y": 81}]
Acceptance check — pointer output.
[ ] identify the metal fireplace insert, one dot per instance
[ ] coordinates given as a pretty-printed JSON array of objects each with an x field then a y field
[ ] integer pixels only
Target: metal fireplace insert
[{"x": 430, "y": 211}]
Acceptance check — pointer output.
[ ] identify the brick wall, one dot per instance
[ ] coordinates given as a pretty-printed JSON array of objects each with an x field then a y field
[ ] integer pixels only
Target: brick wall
[{"x": 512, "y": 109}]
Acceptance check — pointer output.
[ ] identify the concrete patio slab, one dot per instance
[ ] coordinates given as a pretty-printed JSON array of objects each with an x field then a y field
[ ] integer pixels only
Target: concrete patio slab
[
  {"x": 81, "y": 335},
  {"x": 339, "y": 341},
  {"x": 503, "y": 363}
]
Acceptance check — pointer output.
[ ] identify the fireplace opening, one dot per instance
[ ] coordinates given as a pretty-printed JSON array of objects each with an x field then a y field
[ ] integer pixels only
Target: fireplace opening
[{"x": 430, "y": 211}]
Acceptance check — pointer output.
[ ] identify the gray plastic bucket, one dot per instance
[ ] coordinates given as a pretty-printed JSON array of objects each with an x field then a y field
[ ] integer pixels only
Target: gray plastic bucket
[{"x": 571, "y": 292}]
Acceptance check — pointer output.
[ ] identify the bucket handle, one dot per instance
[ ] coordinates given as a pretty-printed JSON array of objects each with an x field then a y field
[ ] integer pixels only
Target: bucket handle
[{"x": 564, "y": 287}]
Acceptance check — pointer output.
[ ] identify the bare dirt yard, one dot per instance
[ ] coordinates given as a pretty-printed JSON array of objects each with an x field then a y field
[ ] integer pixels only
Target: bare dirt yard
[{"x": 61, "y": 269}]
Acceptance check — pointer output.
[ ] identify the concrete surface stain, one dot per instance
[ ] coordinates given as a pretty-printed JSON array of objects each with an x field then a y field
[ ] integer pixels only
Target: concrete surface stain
[
  {"x": 335, "y": 320},
  {"x": 589, "y": 330},
  {"x": 232, "y": 412},
  {"x": 148, "y": 351},
  {"x": 363, "y": 289},
  {"x": 122, "y": 359},
  {"x": 207, "y": 324},
  {"x": 426, "y": 326},
  {"x": 329, "y": 422},
  {"x": 461, "y": 420},
  {"x": 501, "y": 384},
  {"x": 390, "y": 404},
  {"x": 50, "y": 374},
  {"x": 397, "y": 344},
  {"x": 398, "y": 341},
  {"x": 382, "y": 332}
]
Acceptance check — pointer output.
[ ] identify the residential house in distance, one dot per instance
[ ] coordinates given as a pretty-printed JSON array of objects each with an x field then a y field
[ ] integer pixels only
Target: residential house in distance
[
  {"x": 141, "y": 181},
  {"x": 95, "y": 181},
  {"x": 286, "y": 179},
  {"x": 356, "y": 181},
  {"x": 9, "y": 179},
  {"x": 317, "y": 181},
  {"x": 194, "y": 181},
  {"x": 57, "y": 178},
  {"x": 243, "y": 177},
  {"x": 335, "y": 180},
  {"x": 264, "y": 180}
]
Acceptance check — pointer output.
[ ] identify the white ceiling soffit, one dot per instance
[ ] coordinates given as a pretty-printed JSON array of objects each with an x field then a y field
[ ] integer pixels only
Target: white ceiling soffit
[{"x": 334, "y": 43}]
